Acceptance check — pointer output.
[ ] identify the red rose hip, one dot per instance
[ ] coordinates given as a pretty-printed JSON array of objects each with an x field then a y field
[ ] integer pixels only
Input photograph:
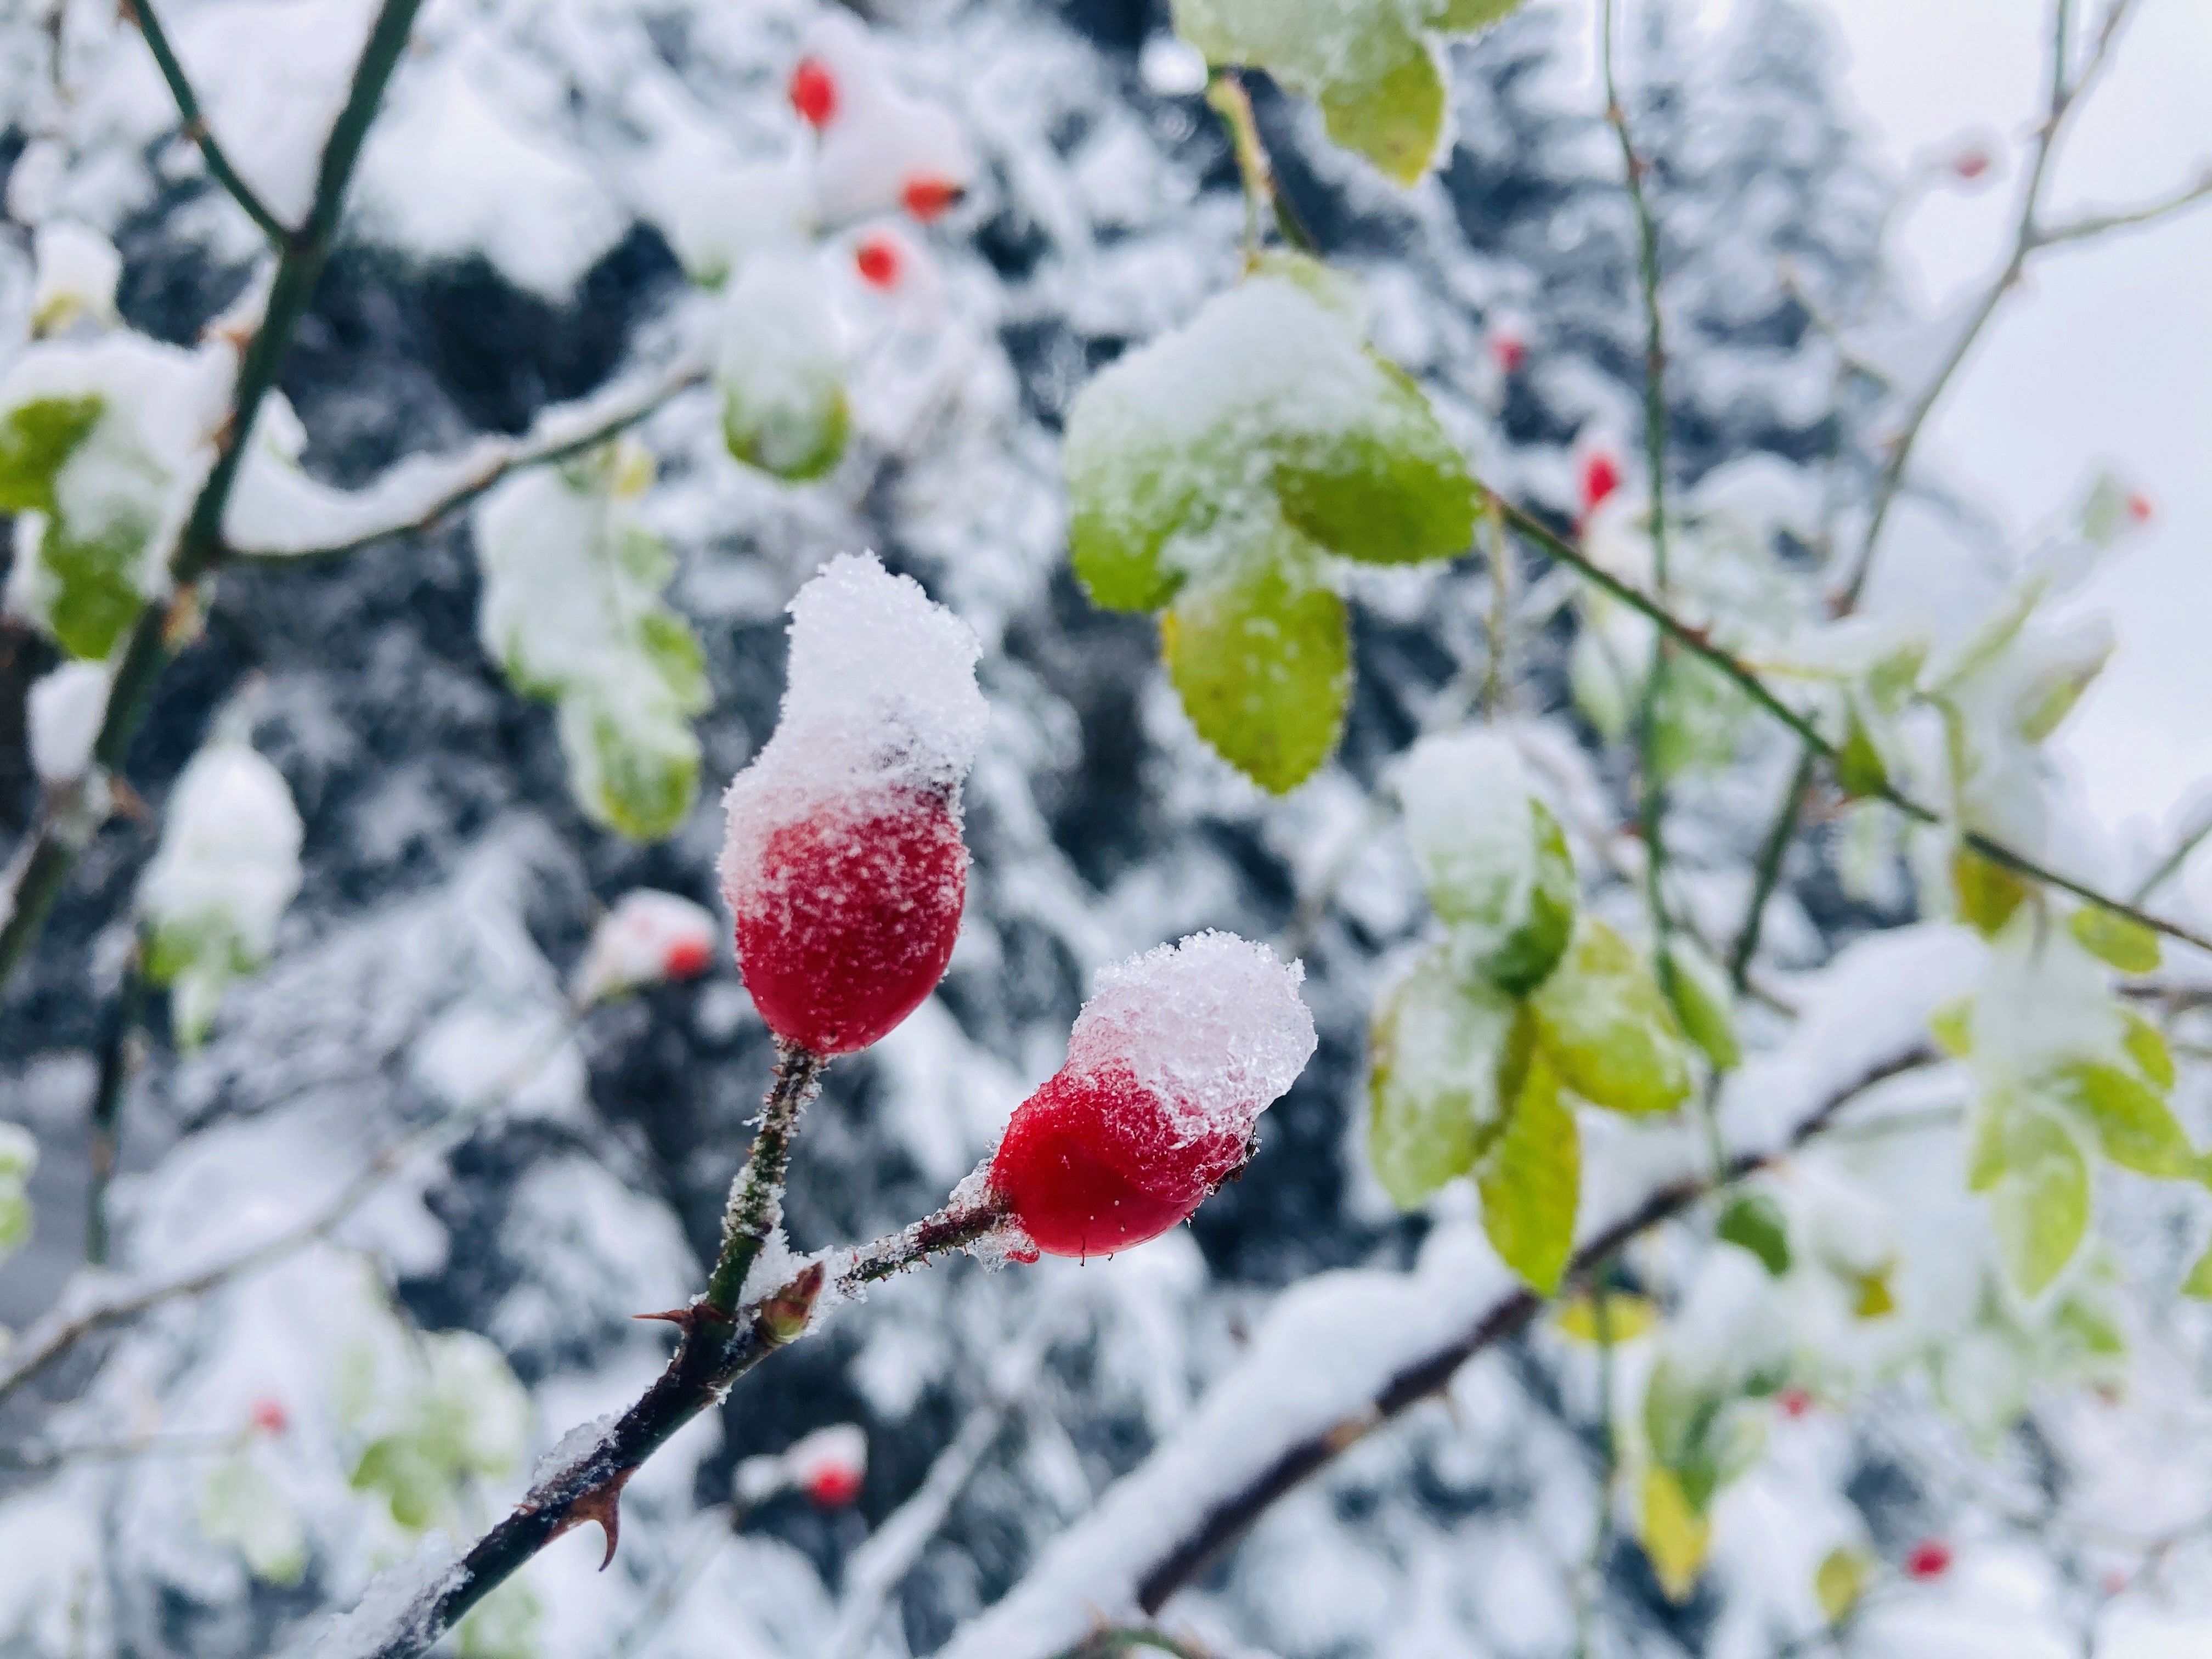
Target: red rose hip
[
  {"x": 845, "y": 872},
  {"x": 813, "y": 92},
  {"x": 1168, "y": 1068}
]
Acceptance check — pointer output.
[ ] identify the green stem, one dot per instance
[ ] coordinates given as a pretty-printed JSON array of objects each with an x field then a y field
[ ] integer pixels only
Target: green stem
[
  {"x": 1696, "y": 641},
  {"x": 196, "y": 123},
  {"x": 117, "y": 1062},
  {"x": 160, "y": 630},
  {"x": 756, "y": 1196},
  {"x": 1774, "y": 854},
  {"x": 1600, "y": 1293},
  {"x": 1226, "y": 97}
]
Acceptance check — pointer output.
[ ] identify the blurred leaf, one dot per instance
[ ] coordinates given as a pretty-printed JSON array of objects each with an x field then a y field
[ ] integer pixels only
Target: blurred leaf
[
  {"x": 1433, "y": 1078},
  {"x": 1627, "y": 1316},
  {"x": 1530, "y": 1180},
  {"x": 1874, "y": 1299},
  {"x": 2116, "y": 940},
  {"x": 1988, "y": 893},
  {"x": 1754, "y": 1222},
  {"x": 1703, "y": 1000},
  {"x": 1841, "y": 1579},
  {"x": 1604, "y": 1023},
  {"x": 1951, "y": 1025},
  {"x": 2039, "y": 1206},
  {"x": 1676, "y": 1537},
  {"x": 2146, "y": 1046},
  {"x": 2134, "y": 1126},
  {"x": 1396, "y": 118},
  {"x": 35, "y": 439}
]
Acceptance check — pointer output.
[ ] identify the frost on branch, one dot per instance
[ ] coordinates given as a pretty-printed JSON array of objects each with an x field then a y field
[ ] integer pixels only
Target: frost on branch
[
  {"x": 102, "y": 446},
  {"x": 1168, "y": 1067},
  {"x": 572, "y": 610},
  {"x": 844, "y": 868},
  {"x": 646, "y": 938},
  {"x": 227, "y": 865},
  {"x": 1218, "y": 471}
]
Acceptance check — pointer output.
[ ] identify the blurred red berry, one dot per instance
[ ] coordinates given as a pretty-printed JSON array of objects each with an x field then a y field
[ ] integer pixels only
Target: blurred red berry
[
  {"x": 2139, "y": 508},
  {"x": 270, "y": 1416},
  {"x": 834, "y": 1486},
  {"x": 687, "y": 958},
  {"x": 1972, "y": 162},
  {"x": 1095, "y": 1162},
  {"x": 1509, "y": 350},
  {"x": 1794, "y": 1402},
  {"x": 813, "y": 92},
  {"x": 926, "y": 197},
  {"x": 876, "y": 259},
  {"x": 851, "y": 919},
  {"x": 1930, "y": 1559},
  {"x": 1600, "y": 478}
]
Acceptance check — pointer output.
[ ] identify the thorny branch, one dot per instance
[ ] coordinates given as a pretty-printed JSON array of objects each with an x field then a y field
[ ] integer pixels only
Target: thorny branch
[
  {"x": 196, "y": 123},
  {"x": 162, "y": 630}
]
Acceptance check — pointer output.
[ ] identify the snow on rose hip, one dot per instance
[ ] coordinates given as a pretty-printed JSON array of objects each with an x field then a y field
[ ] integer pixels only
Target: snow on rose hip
[
  {"x": 1168, "y": 1067},
  {"x": 844, "y": 871}
]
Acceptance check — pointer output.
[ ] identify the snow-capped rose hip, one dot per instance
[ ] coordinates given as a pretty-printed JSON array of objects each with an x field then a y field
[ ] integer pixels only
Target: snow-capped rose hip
[
  {"x": 831, "y": 1464},
  {"x": 1930, "y": 1559},
  {"x": 845, "y": 870},
  {"x": 876, "y": 259},
  {"x": 927, "y": 197},
  {"x": 647, "y": 938},
  {"x": 813, "y": 92},
  {"x": 1168, "y": 1067}
]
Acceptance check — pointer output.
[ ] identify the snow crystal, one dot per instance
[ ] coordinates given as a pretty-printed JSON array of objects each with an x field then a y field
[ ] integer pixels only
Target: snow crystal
[
  {"x": 571, "y": 1451},
  {"x": 394, "y": 1611},
  {"x": 647, "y": 938},
  {"x": 1214, "y": 1026},
  {"x": 64, "y": 711},
  {"x": 879, "y": 141},
  {"x": 880, "y": 695}
]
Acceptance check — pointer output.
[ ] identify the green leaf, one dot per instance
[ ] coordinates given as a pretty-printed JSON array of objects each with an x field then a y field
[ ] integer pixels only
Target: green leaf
[
  {"x": 1754, "y": 1222},
  {"x": 2198, "y": 1286},
  {"x": 633, "y": 760},
  {"x": 1531, "y": 1182},
  {"x": 1263, "y": 664},
  {"x": 97, "y": 597},
  {"x": 1699, "y": 714},
  {"x": 1874, "y": 1300},
  {"x": 505, "y": 1624},
  {"x": 2039, "y": 1206},
  {"x": 796, "y": 433},
  {"x": 1861, "y": 771},
  {"x": 1627, "y": 1317},
  {"x": 1951, "y": 1025},
  {"x": 35, "y": 439},
  {"x": 1392, "y": 488},
  {"x": 1434, "y": 1061},
  {"x": 2116, "y": 940},
  {"x": 1676, "y": 1536},
  {"x": 1604, "y": 1023},
  {"x": 1703, "y": 1000},
  {"x": 1396, "y": 118},
  {"x": 2051, "y": 698},
  {"x": 1464, "y": 16},
  {"x": 2133, "y": 1124},
  {"x": 2146, "y": 1046},
  {"x": 1533, "y": 949},
  {"x": 1988, "y": 893},
  {"x": 241, "y": 1506},
  {"x": 1841, "y": 1579}
]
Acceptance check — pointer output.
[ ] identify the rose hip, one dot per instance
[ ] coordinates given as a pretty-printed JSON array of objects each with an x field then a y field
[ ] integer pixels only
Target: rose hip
[{"x": 813, "y": 92}]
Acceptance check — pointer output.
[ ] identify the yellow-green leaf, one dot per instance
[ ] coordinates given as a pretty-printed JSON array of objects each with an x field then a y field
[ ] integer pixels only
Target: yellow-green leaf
[
  {"x": 1531, "y": 1181},
  {"x": 1874, "y": 1299},
  {"x": 1951, "y": 1025},
  {"x": 1841, "y": 1579},
  {"x": 2134, "y": 1125},
  {"x": 1396, "y": 118},
  {"x": 1988, "y": 893},
  {"x": 1860, "y": 770},
  {"x": 2198, "y": 1286},
  {"x": 1464, "y": 16},
  {"x": 35, "y": 439},
  {"x": 1263, "y": 664},
  {"x": 1754, "y": 1222},
  {"x": 2146, "y": 1046},
  {"x": 1604, "y": 1023},
  {"x": 1433, "y": 1077},
  {"x": 1676, "y": 1537},
  {"x": 1627, "y": 1316},
  {"x": 1703, "y": 1000},
  {"x": 2115, "y": 939},
  {"x": 2039, "y": 1206}
]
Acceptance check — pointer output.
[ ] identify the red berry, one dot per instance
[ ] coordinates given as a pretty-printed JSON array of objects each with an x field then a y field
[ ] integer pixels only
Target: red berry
[
  {"x": 926, "y": 197},
  {"x": 1510, "y": 350},
  {"x": 270, "y": 1416},
  {"x": 834, "y": 1485},
  {"x": 1972, "y": 162},
  {"x": 1794, "y": 1402},
  {"x": 687, "y": 958},
  {"x": 849, "y": 920},
  {"x": 877, "y": 260},
  {"x": 813, "y": 92},
  {"x": 1930, "y": 1559},
  {"x": 1094, "y": 1161},
  {"x": 1600, "y": 478},
  {"x": 2139, "y": 509}
]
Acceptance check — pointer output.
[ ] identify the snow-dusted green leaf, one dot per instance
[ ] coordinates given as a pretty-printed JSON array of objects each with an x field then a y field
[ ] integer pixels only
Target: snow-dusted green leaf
[
  {"x": 1703, "y": 1000},
  {"x": 1493, "y": 858},
  {"x": 465, "y": 1416},
  {"x": 1986, "y": 891},
  {"x": 1438, "y": 1044},
  {"x": 227, "y": 866},
  {"x": 2068, "y": 667},
  {"x": 36, "y": 438},
  {"x": 1604, "y": 1023},
  {"x": 1395, "y": 117},
  {"x": 1267, "y": 409},
  {"x": 2116, "y": 940},
  {"x": 242, "y": 1507},
  {"x": 2146, "y": 1046},
  {"x": 2039, "y": 1205},
  {"x": 508, "y": 1623},
  {"x": 1754, "y": 1222},
  {"x": 2134, "y": 1125},
  {"x": 1530, "y": 1180},
  {"x": 1951, "y": 1025},
  {"x": 1699, "y": 716},
  {"x": 1861, "y": 772},
  {"x": 1263, "y": 664},
  {"x": 572, "y": 608},
  {"x": 780, "y": 368}
]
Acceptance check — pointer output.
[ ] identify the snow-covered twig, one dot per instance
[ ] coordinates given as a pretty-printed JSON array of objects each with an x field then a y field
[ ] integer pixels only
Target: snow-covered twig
[
  {"x": 2097, "y": 224},
  {"x": 160, "y": 630},
  {"x": 196, "y": 123},
  {"x": 303, "y": 519},
  {"x": 1696, "y": 641}
]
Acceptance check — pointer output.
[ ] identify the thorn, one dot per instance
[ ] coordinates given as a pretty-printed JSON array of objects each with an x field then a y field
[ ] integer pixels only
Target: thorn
[
  {"x": 685, "y": 1318},
  {"x": 601, "y": 1504}
]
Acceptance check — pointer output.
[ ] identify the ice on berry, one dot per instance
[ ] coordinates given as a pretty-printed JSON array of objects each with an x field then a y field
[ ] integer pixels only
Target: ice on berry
[
  {"x": 1214, "y": 1027},
  {"x": 647, "y": 938},
  {"x": 880, "y": 142}
]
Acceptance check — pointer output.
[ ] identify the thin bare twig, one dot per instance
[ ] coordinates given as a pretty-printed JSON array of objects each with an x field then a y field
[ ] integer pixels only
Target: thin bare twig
[{"x": 196, "y": 123}]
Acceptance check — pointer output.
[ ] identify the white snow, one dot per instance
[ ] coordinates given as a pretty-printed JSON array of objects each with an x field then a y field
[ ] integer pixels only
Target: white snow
[
  {"x": 78, "y": 271},
  {"x": 1214, "y": 1027},
  {"x": 1466, "y": 800},
  {"x": 63, "y": 712},
  {"x": 395, "y": 1607},
  {"x": 647, "y": 937},
  {"x": 880, "y": 141}
]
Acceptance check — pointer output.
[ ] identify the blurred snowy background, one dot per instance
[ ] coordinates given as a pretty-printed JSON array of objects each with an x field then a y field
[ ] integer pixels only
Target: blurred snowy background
[{"x": 510, "y": 246}]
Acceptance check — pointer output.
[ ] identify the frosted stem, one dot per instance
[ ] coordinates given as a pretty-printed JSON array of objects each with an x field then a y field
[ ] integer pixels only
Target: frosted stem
[{"x": 756, "y": 1196}]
